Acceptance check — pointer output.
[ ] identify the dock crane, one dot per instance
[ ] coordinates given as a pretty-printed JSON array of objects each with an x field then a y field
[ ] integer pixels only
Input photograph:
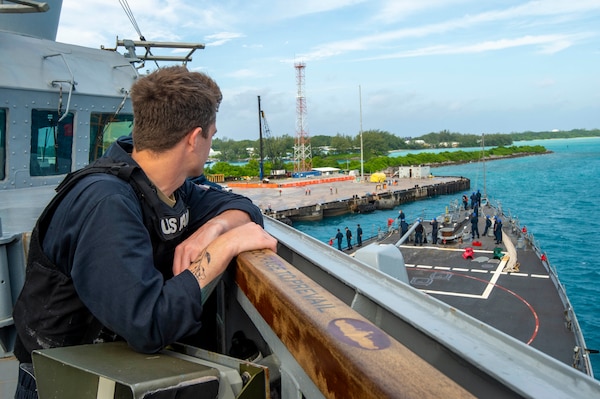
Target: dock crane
[
  {"x": 266, "y": 142},
  {"x": 270, "y": 144}
]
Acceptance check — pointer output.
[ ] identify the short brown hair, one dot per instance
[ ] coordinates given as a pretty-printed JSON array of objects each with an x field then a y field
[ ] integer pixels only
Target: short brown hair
[{"x": 169, "y": 103}]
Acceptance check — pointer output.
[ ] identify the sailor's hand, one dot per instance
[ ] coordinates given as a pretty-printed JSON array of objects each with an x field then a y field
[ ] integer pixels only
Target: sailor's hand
[
  {"x": 191, "y": 248},
  {"x": 223, "y": 248}
]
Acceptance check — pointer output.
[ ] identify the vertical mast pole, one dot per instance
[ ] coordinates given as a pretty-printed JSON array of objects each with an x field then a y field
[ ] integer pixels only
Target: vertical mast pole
[
  {"x": 261, "y": 168},
  {"x": 362, "y": 169}
]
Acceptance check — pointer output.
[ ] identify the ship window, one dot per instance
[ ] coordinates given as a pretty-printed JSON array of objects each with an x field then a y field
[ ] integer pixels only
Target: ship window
[
  {"x": 105, "y": 129},
  {"x": 2, "y": 144},
  {"x": 51, "y": 143}
]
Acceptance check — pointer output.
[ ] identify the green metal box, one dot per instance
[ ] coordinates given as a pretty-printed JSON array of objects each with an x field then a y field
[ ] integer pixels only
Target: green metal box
[{"x": 114, "y": 371}]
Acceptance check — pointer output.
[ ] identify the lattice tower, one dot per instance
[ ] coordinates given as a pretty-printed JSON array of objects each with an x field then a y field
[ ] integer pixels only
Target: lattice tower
[{"x": 302, "y": 151}]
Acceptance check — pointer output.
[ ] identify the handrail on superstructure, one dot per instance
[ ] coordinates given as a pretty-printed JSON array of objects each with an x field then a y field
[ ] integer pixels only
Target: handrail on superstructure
[
  {"x": 71, "y": 84},
  {"x": 343, "y": 353}
]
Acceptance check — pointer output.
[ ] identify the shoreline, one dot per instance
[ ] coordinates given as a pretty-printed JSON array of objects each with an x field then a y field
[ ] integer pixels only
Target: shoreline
[{"x": 491, "y": 158}]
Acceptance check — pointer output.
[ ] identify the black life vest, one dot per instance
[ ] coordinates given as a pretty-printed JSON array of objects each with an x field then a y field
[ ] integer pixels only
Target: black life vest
[{"x": 48, "y": 312}]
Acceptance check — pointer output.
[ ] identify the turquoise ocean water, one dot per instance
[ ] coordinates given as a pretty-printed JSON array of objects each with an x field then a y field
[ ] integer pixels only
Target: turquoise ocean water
[{"x": 554, "y": 195}]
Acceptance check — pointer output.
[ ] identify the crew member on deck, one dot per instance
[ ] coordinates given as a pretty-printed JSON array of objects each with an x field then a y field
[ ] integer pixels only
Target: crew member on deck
[
  {"x": 498, "y": 230},
  {"x": 419, "y": 234},
  {"x": 488, "y": 224},
  {"x": 434, "y": 230},
  {"x": 349, "y": 238},
  {"x": 339, "y": 237},
  {"x": 474, "y": 225}
]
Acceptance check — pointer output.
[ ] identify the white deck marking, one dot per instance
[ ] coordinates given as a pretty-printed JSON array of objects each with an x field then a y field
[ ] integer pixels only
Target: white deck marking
[
  {"x": 490, "y": 284},
  {"x": 539, "y": 276},
  {"x": 423, "y": 266},
  {"x": 450, "y": 293},
  {"x": 494, "y": 279}
]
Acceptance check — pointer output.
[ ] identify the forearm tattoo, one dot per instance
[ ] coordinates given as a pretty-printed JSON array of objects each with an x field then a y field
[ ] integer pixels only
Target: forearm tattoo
[{"x": 196, "y": 266}]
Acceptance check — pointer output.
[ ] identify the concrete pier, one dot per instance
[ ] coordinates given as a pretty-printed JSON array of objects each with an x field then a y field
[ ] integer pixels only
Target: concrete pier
[{"x": 313, "y": 199}]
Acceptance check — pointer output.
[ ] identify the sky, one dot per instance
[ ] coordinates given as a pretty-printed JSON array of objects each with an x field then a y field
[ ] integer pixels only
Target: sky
[{"x": 407, "y": 67}]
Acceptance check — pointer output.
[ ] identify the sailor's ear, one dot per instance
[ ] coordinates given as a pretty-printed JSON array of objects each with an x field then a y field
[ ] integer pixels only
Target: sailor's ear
[{"x": 194, "y": 135}]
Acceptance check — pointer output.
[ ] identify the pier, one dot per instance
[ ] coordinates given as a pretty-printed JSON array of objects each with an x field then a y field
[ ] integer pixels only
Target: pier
[{"x": 316, "y": 198}]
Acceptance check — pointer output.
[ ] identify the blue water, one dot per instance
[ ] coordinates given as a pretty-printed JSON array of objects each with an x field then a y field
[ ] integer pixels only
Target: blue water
[{"x": 554, "y": 195}]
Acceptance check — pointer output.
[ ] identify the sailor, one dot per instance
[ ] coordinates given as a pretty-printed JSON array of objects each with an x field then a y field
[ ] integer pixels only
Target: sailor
[
  {"x": 419, "y": 233},
  {"x": 498, "y": 230},
  {"x": 129, "y": 248},
  {"x": 434, "y": 230},
  {"x": 339, "y": 237},
  {"x": 349, "y": 238},
  {"x": 474, "y": 227},
  {"x": 359, "y": 233},
  {"x": 488, "y": 224},
  {"x": 401, "y": 216},
  {"x": 403, "y": 228}
]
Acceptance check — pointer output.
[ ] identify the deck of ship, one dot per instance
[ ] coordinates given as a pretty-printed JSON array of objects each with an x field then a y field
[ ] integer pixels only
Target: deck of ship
[{"x": 524, "y": 304}]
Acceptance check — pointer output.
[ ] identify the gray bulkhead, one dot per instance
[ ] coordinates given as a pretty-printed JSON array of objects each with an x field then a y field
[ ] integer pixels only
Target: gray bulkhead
[{"x": 49, "y": 76}]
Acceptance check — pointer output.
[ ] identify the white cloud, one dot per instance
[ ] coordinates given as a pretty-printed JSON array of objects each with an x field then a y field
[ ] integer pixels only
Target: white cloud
[
  {"x": 555, "y": 46},
  {"x": 548, "y": 44},
  {"x": 218, "y": 39},
  {"x": 395, "y": 37}
]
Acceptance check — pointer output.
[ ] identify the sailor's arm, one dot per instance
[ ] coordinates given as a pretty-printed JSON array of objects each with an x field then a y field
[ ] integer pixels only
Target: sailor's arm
[
  {"x": 215, "y": 258},
  {"x": 190, "y": 249}
]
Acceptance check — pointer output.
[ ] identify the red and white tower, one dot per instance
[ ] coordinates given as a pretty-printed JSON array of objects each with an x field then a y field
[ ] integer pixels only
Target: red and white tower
[{"x": 302, "y": 151}]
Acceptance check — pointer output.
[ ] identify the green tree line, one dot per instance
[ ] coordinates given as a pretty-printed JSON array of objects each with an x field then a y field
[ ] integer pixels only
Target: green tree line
[
  {"x": 343, "y": 151},
  {"x": 375, "y": 143},
  {"x": 378, "y": 163}
]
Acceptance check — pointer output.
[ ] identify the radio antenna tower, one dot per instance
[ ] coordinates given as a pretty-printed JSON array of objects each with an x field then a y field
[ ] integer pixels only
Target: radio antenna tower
[{"x": 302, "y": 151}]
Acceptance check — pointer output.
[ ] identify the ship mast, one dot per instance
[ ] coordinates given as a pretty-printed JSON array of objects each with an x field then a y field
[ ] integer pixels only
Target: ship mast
[
  {"x": 362, "y": 169},
  {"x": 483, "y": 160}
]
